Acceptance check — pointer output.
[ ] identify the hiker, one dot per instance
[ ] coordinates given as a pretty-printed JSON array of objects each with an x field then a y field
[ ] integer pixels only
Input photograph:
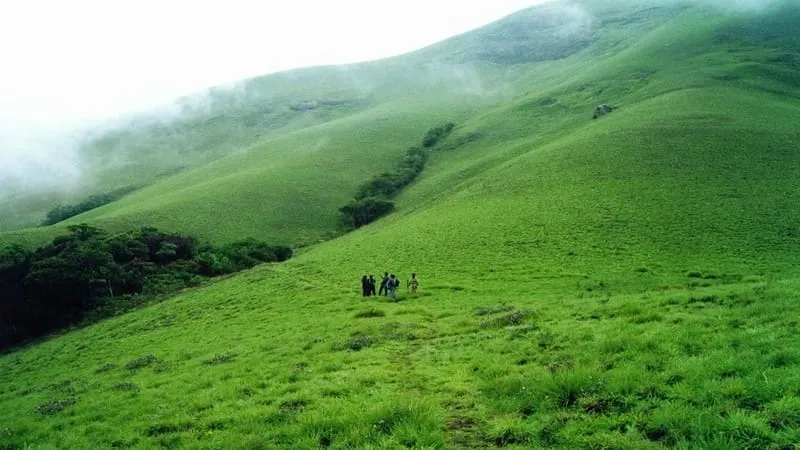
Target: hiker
[
  {"x": 413, "y": 283},
  {"x": 372, "y": 285},
  {"x": 384, "y": 281},
  {"x": 365, "y": 286},
  {"x": 391, "y": 287}
]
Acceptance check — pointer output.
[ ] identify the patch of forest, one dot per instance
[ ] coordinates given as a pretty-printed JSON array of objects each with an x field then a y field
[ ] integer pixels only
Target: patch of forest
[
  {"x": 90, "y": 274},
  {"x": 373, "y": 198}
]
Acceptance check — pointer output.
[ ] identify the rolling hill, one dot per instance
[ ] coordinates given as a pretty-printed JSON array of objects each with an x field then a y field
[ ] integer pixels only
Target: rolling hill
[
  {"x": 317, "y": 132},
  {"x": 629, "y": 281}
]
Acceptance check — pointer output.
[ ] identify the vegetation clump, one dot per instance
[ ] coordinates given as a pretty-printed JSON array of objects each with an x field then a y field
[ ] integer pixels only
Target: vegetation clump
[
  {"x": 372, "y": 312},
  {"x": 486, "y": 310},
  {"x": 105, "y": 368},
  {"x": 51, "y": 407},
  {"x": 125, "y": 386},
  {"x": 219, "y": 359},
  {"x": 64, "y": 212},
  {"x": 602, "y": 110},
  {"x": 434, "y": 135},
  {"x": 371, "y": 202},
  {"x": 358, "y": 341},
  {"x": 89, "y": 274},
  {"x": 141, "y": 362},
  {"x": 511, "y": 319}
]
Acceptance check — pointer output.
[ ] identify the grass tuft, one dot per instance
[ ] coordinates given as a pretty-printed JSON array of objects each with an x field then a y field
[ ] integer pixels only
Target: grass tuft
[
  {"x": 105, "y": 368},
  {"x": 512, "y": 319},
  {"x": 141, "y": 362},
  {"x": 369, "y": 313},
  {"x": 223, "y": 358},
  {"x": 125, "y": 386},
  {"x": 54, "y": 406},
  {"x": 485, "y": 310},
  {"x": 358, "y": 341}
]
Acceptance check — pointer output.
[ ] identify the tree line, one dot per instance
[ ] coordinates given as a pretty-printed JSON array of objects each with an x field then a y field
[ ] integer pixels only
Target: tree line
[
  {"x": 372, "y": 200},
  {"x": 90, "y": 274},
  {"x": 64, "y": 212}
]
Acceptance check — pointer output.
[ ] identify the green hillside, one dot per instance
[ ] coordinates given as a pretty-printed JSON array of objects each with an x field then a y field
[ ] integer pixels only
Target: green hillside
[
  {"x": 316, "y": 133},
  {"x": 629, "y": 281}
]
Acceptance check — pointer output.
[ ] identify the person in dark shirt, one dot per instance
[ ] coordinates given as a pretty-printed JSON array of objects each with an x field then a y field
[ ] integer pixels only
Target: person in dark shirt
[
  {"x": 391, "y": 287},
  {"x": 372, "y": 285},
  {"x": 365, "y": 286},
  {"x": 384, "y": 282}
]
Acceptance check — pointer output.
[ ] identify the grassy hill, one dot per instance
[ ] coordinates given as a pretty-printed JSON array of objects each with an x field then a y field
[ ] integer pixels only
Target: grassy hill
[
  {"x": 624, "y": 282},
  {"x": 351, "y": 121}
]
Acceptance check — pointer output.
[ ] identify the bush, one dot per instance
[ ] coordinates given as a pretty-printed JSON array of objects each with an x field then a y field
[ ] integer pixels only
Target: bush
[
  {"x": 245, "y": 254},
  {"x": 435, "y": 135},
  {"x": 366, "y": 210},
  {"x": 64, "y": 212},
  {"x": 358, "y": 341},
  {"x": 384, "y": 185},
  {"x": 87, "y": 275},
  {"x": 370, "y": 202}
]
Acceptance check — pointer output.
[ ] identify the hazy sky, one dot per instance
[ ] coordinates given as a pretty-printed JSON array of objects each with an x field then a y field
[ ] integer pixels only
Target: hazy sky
[{"x": 77, "y": 59}]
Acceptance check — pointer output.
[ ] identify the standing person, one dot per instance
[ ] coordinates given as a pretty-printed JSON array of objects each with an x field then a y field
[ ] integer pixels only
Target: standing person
[
  {"x": 365, "y": 286},
  {"x": 384, "y": 282},
  {"x": 413, "y": 283},
  {"x": 391, "y": 287},
  {"x": 372, "y": 285}
]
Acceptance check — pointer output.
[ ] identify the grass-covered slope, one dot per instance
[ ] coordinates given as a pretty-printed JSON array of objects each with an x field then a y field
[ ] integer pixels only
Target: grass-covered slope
[
  {"x": 346, "y": 123},
  {"x": 291, "y": 357},
  {"x": 625, "y": 282}
]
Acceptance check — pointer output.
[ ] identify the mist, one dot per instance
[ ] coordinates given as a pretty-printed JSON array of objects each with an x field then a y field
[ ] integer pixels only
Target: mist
[
  {"x": 744, "y": 6},
  {"x": 44, "y": 151},
  {"x": 36, "y": 157}
]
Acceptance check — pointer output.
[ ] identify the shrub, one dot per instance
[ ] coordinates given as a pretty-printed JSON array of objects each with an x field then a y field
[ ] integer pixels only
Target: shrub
[
  {"x": 87, "y": 275},
  {"x": 358, "y": 341},
  {"x": 367, "y": 210},
  {"x": 247, "y": 253},
  {"x": 435, "y": 135},
  {"x": 370, "y": 201},
  {"x": 63, "y": 212},
  {"x": 383, "y": 185}
]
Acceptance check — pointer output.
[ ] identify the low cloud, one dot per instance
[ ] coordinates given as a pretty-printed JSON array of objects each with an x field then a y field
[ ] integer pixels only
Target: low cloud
[
  {"x": 36, "y": 158},
  {"x": 744, "y": 5}
]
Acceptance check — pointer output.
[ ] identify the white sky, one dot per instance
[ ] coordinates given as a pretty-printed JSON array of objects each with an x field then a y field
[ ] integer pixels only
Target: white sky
[{"x": 64, "y": 61}]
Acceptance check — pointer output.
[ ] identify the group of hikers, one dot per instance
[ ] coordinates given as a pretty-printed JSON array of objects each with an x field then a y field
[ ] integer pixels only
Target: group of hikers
[{"x": 389, "y": 285}]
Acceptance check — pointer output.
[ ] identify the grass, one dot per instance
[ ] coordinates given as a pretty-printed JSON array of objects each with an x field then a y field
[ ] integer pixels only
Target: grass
[
  {"x": 625, "y": 282},
  {"x": 248, "y": 184},
  {"x": 582, "y": 371}
]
